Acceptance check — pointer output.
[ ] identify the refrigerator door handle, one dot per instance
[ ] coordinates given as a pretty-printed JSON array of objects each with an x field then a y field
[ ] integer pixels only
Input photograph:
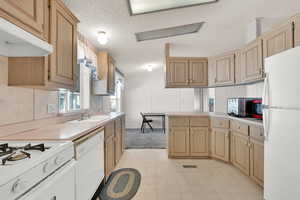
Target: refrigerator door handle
[
  {"x": 265, "y": 99},
  {"x": 266, "y": 122},
  {"x": 266, "y": 106}
]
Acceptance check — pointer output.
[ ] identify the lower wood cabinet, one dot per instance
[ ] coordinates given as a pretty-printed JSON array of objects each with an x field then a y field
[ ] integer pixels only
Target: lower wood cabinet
[
  {"x": 118, "y": 140},
  {"x": 220, "y": 144},
  {"x": 109, "y": 156},
  {"x": 257, "y": 161},
  {"x": 199, "y": 142},
  {"x": 240, "y": 152},
  {"x": 179, "y": 141}
]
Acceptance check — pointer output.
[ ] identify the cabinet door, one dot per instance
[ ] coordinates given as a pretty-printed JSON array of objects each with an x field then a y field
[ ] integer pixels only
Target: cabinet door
[
  {"x": 224, "y": 70},
  {"x": 241, "y": 152},
  {"x": 198, "y": 72},
  {"x": 179, "y": 142},
  {"x": 123, "y": 133},
  {"x": 252, "y": 61},
  {"x": 109, "y": 156},
  {"x": 63, "y": 38},
  {"x": 257, "y": 162},
  {"x": 199, "y": 142},
  {"x": 118, "y": 141},
  {"x": 297, "y": 30},
  {"x": 278, "y": 40},
  {"x": 28, "y": 14},
  {"x": 220, "y": 144},
  {"x": 177, "y": 72},
  {"x": 111, "y": 75}
]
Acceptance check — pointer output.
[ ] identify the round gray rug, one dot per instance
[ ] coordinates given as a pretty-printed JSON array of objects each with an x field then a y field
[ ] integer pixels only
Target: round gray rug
[{"x": 122, "y": 184}]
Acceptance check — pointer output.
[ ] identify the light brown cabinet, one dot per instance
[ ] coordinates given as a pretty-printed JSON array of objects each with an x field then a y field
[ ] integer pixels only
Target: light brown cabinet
[
  {"x": 186, "y": 72},
  {"x": 28, "y": 15},
  {"x": 188, "y": 137},
  {"x": 109, "y": 155},
  {"x": 278, "y": 40},
  {"x": 222, "y": 69},
  {"x": 257, "y": 161},
  {"x": 54, "y": 71},
  {"x": 199, "y": 142},
  {"x": 106, "y": 73},
  {"x": 240, "y": 152},
  {"x": 252, "y": 61},
  {"x": 220, "y": 144},
  {"x": 179, "y": 142},
  {"x": 118, "y": 140}
]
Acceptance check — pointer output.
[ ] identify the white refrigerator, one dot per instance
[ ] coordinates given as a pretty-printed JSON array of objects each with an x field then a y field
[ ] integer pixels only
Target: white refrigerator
[{"x": 281, "y": 109}]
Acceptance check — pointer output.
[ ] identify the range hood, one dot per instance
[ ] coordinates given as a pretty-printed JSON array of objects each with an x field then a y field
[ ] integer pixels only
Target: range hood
[{"x": 15, "y": 42}]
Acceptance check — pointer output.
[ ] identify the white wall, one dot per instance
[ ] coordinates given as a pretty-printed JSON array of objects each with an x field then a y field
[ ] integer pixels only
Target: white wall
[{"x": 145, "y": 92}]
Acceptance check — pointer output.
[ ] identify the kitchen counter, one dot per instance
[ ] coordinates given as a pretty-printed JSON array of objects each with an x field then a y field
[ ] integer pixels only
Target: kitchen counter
[
  {"x": 249, "y": 121},
  {"x": 68, "y": 131}
]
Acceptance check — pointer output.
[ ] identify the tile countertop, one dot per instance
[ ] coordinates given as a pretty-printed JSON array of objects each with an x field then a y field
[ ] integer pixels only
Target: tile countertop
[
  {"x": 68, "y": 131},
  {"x": 249, "y": 121}
]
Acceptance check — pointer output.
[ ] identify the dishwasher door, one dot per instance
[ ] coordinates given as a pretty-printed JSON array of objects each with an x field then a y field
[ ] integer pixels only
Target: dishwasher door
[
  {"x": 89, "y": 168},
  {"x": 58, "y": 186}
]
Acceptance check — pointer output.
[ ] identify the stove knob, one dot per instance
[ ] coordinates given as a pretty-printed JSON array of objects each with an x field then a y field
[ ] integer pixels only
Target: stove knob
[
  {"x": 46, "y": 168},
  {"x": 58, "y": 160}
]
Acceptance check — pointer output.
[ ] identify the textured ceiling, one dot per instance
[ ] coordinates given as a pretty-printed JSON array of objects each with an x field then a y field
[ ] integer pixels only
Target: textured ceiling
[{"x": 224, "y": 30}]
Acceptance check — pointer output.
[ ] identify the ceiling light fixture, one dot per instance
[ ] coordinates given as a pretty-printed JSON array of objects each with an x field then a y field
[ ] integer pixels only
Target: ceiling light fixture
[
  {"x": 102, "y": 38},
  {"x": 149, "y": 68}
]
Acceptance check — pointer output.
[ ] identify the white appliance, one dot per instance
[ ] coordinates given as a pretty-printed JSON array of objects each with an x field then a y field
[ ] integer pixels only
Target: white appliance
[
  {"x": 89, "y": 155},
  {"x": 281, "y": 101},
  {"x": 15, "y": 42},
  {"x": 31, "y": 171}
]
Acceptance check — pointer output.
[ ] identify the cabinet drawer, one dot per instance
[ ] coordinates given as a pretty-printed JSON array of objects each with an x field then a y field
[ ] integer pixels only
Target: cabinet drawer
[
  {"x": 199, "y": 121},
  {"x": 257, "y": 133},
  {"x": 179, "y": 121},
  {"x": 240, "y": 127},
  {"x": 220, "y": 123}
]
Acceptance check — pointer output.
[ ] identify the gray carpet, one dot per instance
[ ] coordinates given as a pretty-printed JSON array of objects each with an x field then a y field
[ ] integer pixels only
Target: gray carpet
[{"x": 134, "y": 139}]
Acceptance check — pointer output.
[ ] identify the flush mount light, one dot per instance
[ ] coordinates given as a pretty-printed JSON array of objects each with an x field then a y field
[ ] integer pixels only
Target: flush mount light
[
  {"x": 149, "y": 68},
  {"x": 137, "y": 7},
  {"x": 169, "y": 32},
  {"x": 102, "y": 38}
]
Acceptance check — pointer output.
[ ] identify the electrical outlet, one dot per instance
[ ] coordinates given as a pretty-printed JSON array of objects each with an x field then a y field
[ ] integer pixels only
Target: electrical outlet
[{"x": 51, "y": 108}]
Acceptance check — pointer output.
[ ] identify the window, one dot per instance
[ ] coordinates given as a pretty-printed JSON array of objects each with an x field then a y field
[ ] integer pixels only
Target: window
[
  {"x": 116, "y": 99},
  {"x": 68, "y": 101}
]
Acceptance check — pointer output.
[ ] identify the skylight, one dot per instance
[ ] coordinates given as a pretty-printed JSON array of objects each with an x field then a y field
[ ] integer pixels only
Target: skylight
[{"x": 138, "y": 7}]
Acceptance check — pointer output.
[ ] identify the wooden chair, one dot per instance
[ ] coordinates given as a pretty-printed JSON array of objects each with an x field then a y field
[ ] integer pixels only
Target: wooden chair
[{"x": 144, "y": 122}]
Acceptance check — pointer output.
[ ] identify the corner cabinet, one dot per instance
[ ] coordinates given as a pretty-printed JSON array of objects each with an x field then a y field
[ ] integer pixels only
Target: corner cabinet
[
  {"x": 252, "y": 62},
  {"x": 106, "y": 74},
  {"x": 63, "y": 36},
  {"x": 186, "y": 72},
  {"x": 56, "y": 70},
  {"x": 278, "y": 40},
  {"x": 222, "y": 70},
  {"x": 29, "y": 15}
]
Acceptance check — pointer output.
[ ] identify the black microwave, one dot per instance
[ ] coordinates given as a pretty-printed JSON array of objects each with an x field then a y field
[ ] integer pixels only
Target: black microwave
[{"x": 245, "y": 107}]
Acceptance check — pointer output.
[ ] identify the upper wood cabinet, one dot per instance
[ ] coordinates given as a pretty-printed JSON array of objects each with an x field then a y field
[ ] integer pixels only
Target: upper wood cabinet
[
  {"x": 106, "y": 73},
  {"x": 29, "y": 15},
  {"x": 252, "y": 61},
  {"x": 199, "y": 141},
  {"x": 179, "y": 142},
  {"x": 278, "y": 40},
  {"x": 54, "y": 71},
  {"x": 63, "y": 36},
  {"x": 177, "y": 72},
  {"x": 198, "y": 72},
  {"x": 297, "y": 30},
  {"x": 186, "y": 72},
  {"x": 222, "y": 69},
  {"x": 220, "y": 144}
]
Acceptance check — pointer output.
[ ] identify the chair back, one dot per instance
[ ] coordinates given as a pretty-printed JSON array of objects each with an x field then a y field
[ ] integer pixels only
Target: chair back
[{"x": 143, "y": 116}]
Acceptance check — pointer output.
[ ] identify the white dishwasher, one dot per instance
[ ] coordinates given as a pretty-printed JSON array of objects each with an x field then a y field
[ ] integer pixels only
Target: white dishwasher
[{"x": 89, "y": 168}]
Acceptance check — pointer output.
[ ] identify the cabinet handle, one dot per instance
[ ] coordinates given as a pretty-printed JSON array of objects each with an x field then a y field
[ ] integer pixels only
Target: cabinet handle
[{"x": 53, "y": 198}]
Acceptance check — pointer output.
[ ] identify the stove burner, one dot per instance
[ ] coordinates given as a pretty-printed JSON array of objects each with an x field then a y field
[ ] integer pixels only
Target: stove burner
[
  {"x": 5, "y": 150},
  {"x": 16, "y": 156},
  {"x": 39, "y": 147}
]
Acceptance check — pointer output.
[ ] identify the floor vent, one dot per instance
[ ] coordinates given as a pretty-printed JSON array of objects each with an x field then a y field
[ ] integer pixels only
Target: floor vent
[
  {"x": 169, "y": 32},
  {"x": 189, "y": 166}
]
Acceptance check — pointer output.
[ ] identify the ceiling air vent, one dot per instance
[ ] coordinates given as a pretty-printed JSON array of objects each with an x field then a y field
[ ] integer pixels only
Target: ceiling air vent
[{"x": 169, "y": 32}]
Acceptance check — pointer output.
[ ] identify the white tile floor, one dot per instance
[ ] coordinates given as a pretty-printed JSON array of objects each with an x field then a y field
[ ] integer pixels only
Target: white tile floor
[{"x": 166, "y": 179}]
